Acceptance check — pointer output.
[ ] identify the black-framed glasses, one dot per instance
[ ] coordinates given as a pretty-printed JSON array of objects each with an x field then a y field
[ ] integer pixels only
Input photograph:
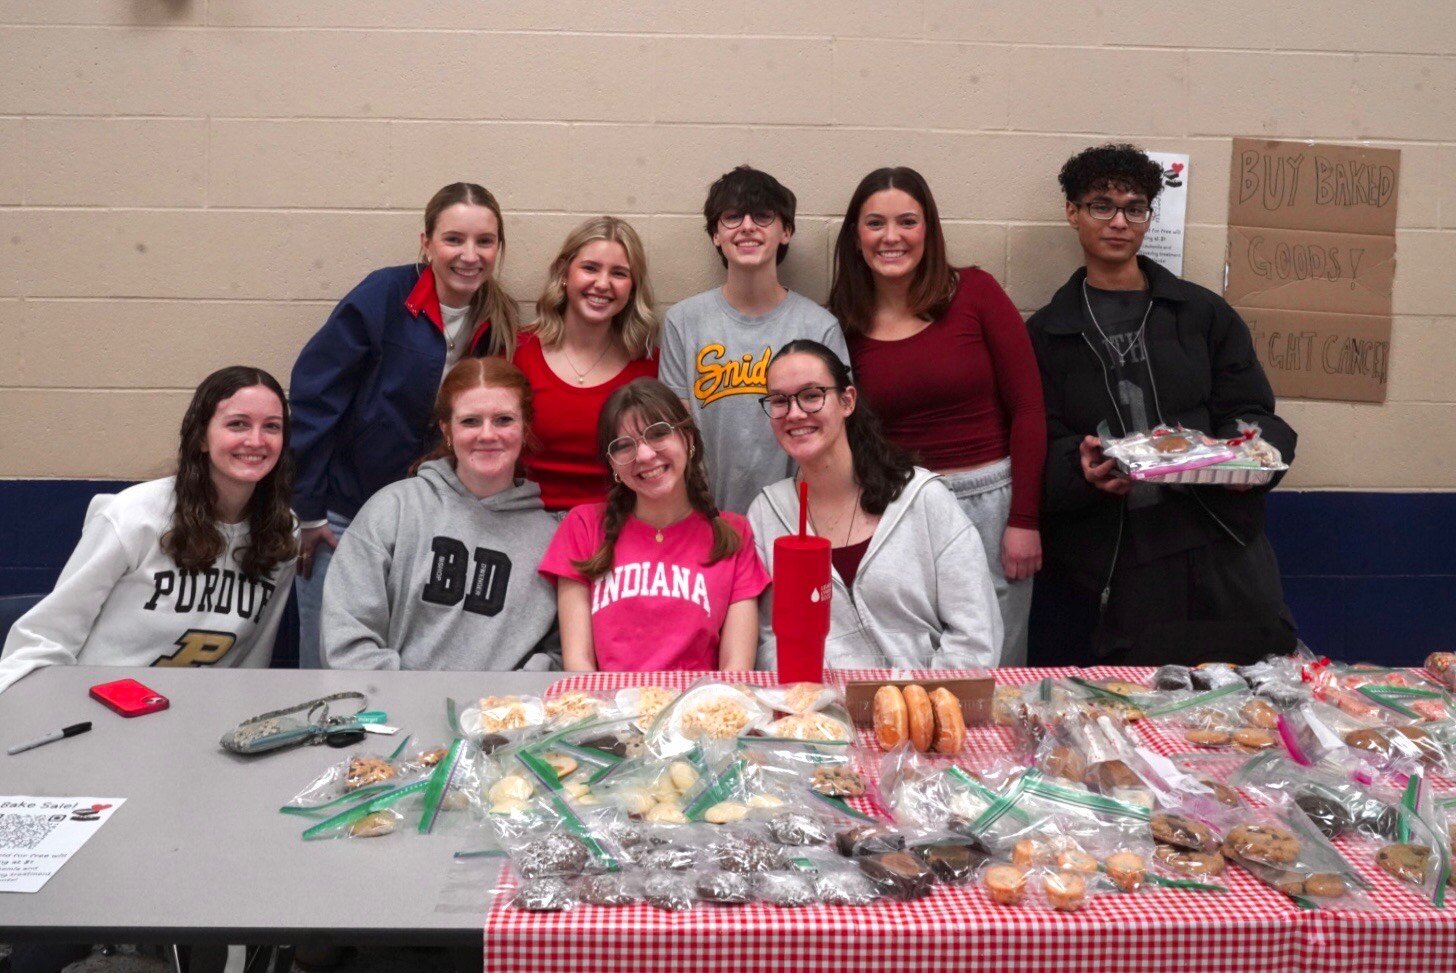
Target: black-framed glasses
[
  {"x": 810, "y": 399},
  {"x": 733, "y": 219},
  {"x": 1106, "y": 209},
  {"x": 622, "y": 450}
]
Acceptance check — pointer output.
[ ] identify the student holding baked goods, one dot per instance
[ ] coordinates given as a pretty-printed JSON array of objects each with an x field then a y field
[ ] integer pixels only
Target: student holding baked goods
[
  {"x": 1174, "y": 574},
  {"x": 656, "y": 577},
  {"x": 943, "y": 357},
  {"x": 190, "y": 570},
  {"x": 595, "y": 331},
  {"x": 364, "y": 385},
  {"x": 911, "y": 586},
  {"x": 437, "y": 571}
]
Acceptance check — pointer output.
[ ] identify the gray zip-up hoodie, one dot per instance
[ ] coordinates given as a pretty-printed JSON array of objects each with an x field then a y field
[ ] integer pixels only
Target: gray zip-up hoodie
[
  {"x": 429, "y": 576},
  {"x": 922, "y": 598}
]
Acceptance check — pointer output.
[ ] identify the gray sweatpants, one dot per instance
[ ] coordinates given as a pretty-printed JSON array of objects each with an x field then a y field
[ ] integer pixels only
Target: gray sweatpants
[{"x": 985, "y": 496}]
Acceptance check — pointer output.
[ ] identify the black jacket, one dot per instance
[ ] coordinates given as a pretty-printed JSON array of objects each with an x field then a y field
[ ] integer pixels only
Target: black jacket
[{"x": 1206, "y": 377}]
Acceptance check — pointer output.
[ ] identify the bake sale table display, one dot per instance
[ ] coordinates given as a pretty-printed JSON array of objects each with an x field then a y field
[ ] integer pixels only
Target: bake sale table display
[
  {"x": 198, "y": 852},
  {"x": 1248, "y": 926}
]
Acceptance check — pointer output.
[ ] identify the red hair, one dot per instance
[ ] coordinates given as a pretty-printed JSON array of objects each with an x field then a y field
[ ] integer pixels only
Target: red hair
[{"x": 476, "y": 373}]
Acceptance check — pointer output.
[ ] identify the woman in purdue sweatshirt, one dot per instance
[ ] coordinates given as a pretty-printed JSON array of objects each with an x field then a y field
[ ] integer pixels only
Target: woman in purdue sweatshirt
[
  {"x": 438, "y": 571},
  {"x": 191, "y": 570}
]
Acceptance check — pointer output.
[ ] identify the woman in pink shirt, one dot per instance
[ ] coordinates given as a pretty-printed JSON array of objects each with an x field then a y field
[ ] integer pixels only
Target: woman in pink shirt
[{"x": 656, "y": 577}]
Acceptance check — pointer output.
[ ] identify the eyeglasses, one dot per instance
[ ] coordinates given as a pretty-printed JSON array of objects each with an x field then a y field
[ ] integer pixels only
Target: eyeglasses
[
  {"x": 809, "y": 399},
  {"x": 733, "y": 220},
  {"x": 1103, "y": 209},
  {"x": 622, "y": 450}
]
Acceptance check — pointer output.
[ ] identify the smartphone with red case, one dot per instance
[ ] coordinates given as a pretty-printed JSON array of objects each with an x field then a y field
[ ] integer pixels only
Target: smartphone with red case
[{"x": 129, "y": 697}]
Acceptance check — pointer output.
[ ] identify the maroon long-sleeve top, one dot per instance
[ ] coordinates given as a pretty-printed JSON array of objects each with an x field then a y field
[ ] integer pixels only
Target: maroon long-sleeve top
[{"x": 963, "y": 391}]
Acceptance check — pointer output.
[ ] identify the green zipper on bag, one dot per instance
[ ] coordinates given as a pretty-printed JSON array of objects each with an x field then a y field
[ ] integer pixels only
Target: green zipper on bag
[
  {"x": 1043, "y": 788},
  {"x": 1202, "y": 699},
  {"x": 841, "y": 806},
  {"x": 1182, "y": 883},
  {"x": 542, "y": 771},
  {"x": 1001, "y": 807},
  {"x": 439, "y": 785},
  {"x": 717, "y": 791},
  {"x": 380, "y": 803},
  {"x": 981, "y": 791},
  {"x": 362, "y": 794},
  {"x": 400, "y": 749}
]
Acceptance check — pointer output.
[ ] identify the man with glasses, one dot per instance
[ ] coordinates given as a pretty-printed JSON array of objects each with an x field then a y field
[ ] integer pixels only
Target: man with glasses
[
  {"x": 716, "y": 345},
  {"x": 1171, "y": 574}
]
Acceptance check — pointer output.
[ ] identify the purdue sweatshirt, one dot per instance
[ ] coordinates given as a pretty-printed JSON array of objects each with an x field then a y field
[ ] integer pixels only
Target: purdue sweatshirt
[
  {"x": 429, "y": 576},
  {"x": 121, "y": 601}
]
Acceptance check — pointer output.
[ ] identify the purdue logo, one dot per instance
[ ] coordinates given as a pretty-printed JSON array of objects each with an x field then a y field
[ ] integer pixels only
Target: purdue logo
[
  {"x": 719, "y": 378},
  {"x": 199, "y": 647},
  {"x": 486, "y": 592}
]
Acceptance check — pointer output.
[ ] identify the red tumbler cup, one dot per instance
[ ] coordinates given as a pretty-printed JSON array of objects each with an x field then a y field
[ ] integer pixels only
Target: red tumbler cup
[{"x": 802, "y": 586}]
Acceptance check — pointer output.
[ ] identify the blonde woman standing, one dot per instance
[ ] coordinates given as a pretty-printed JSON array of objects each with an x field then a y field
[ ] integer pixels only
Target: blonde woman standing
[{"x": 595, "y": 332}]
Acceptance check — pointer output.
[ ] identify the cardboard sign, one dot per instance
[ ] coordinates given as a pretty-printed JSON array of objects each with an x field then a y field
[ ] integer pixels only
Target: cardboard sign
[{"x": 1311, "y": 263}]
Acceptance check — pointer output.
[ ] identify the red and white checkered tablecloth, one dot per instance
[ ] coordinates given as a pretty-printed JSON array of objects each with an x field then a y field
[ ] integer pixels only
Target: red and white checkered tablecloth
[{"x": 1249, "y": 928}]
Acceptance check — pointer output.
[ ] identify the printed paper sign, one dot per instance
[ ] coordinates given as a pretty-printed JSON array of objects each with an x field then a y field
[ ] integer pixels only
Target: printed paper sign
[
  {"x": 1311, "y": 263},
  {"x": 1164, "y": 240},
  {"x": 39, "y": 834}
]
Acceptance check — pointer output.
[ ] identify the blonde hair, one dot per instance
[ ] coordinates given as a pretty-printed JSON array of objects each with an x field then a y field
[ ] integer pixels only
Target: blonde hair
[
  {"x": 491, "y": 302},
  {"x": 636, "y": 326}
]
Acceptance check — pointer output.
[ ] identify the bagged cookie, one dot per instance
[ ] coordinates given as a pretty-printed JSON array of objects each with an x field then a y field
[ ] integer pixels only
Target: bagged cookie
[
  {"x": 1227, "y": 718},
  {"x": 1280, "y": 846}
]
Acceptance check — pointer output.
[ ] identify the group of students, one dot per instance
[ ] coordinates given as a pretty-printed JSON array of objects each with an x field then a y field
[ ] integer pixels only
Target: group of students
[{"x": 595, "y": 489}]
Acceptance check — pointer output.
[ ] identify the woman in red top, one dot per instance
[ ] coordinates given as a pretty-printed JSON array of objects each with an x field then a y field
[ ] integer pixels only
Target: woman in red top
[
  {"x": 595, "y": 331},
  {"x": 943, "y": 357}
]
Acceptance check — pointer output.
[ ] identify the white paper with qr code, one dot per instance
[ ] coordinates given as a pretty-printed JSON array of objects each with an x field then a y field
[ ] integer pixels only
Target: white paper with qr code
[{"x": 40, "y": 834}]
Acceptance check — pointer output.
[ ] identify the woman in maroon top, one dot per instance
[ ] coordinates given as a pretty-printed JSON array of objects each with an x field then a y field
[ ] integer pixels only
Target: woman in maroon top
[
  {"x": 595, "y": 332},
  {"x": 943, "y": 357}
]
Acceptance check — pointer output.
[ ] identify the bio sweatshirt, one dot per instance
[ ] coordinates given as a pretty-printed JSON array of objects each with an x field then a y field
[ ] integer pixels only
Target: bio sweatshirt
[
  {"x": 922, "y": 598},
  {"x": 430, "y": 576},
  {"x": 121, "y": 601}
]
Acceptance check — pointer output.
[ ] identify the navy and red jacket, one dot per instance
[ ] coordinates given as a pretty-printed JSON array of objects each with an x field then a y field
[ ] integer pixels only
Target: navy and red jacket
[{"x": 363, "y": 390}]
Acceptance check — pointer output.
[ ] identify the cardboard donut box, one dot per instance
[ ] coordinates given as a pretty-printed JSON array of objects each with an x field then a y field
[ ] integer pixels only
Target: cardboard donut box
[{"x": 974, "y": 695}]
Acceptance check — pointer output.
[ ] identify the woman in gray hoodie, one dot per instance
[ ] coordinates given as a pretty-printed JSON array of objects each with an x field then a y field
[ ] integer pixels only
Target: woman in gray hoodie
[
  {"x": 438, "y": 571},
  {"x": 911, "y": 586}
]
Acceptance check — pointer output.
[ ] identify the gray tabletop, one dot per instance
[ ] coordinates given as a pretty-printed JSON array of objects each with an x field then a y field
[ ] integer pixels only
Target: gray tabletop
[{"x": 199, "y": 851}]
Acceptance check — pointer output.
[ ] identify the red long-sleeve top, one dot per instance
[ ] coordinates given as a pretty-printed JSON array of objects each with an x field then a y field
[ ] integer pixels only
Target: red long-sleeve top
[{"x": 964, "y": 391}]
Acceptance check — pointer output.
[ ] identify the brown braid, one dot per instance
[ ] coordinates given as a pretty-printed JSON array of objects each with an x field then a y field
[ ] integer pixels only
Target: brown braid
[
  {"x": 620, "y": 501},
  {"x": 726, "y": 540}
]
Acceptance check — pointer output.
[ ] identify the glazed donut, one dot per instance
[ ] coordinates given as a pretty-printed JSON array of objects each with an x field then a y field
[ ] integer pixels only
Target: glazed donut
[
  {"x": 950, "y": 724},
  {"x": 922, "y": 718},
  {"x": 892, "y": 721}
]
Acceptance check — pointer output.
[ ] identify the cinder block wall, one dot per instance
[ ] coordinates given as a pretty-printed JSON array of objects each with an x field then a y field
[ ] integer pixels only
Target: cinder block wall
[{"x": 191, "y": 183}]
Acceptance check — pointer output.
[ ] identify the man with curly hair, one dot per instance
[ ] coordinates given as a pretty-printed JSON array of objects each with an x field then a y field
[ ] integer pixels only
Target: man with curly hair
[{"x": 1174, "y": 574}]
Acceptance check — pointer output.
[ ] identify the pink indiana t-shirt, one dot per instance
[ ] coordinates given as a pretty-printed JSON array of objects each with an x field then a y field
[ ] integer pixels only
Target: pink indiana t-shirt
[{"x": 660, "y": 607}]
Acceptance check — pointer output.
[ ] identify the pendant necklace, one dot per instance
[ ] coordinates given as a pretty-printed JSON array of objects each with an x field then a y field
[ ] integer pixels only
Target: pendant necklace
[{"x": 581, "y": 375}]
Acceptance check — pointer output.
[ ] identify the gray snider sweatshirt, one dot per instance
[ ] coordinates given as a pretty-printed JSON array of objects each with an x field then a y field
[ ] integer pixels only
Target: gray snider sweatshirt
[
  {"x": 922, "y": 597},
  {"x": 429, "y": 576}
]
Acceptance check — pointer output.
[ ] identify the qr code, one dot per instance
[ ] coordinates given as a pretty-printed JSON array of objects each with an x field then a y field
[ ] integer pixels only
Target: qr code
[{"x": 27, "y": 830}]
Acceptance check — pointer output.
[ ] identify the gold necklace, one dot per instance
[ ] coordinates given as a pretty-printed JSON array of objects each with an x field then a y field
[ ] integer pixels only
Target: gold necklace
[
  {"x": 853, "y": 512},
  {"x": 581, "y": 375}
]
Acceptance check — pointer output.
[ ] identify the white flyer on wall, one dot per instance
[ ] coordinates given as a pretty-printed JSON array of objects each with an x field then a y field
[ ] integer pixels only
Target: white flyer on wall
[
  {"x": 1164, "y": 242},
  {"x": 40, "y": 834}
]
